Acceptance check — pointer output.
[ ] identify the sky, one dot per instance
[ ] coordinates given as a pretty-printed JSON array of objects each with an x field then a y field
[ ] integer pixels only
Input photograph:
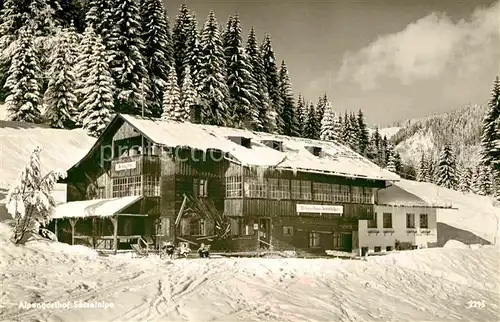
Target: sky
[{"x": 394, "y": 59}]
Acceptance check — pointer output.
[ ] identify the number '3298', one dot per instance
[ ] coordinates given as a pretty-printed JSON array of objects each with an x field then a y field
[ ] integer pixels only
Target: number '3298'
[{"x": 476, "y": 304}]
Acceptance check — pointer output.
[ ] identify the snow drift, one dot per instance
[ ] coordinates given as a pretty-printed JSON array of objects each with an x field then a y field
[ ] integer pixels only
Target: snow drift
[{"x": 431, "y": 284}]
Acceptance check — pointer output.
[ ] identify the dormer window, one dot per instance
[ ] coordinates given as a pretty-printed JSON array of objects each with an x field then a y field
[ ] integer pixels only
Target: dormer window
[
  {"x": 315, "y": 150},
  {"x": 243, "y": 141},
  {"x": 273, "y": 144}
]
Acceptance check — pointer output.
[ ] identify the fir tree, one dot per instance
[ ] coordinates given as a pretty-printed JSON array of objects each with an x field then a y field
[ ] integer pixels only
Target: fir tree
[
  {"x": 330, "y": 130},
  {"x": 422, "y": 169},
  {"x": 128, "y": 65},
  {"x": 72, "y": 13},
  {"x": 491, "y": 131},
  {"x": 157, "y": 48},
  {"x": 320, "y": 107},
  {"x": 311, "y": 126},
  {"x": 475, "y": 179},
  {"x": 398, "y": 163},
  {"x": 446, "y": 170},
  {"x": 289, "y": 118},
  {"x": 97, "y": 91},
  {"x": 100, "y": 17},
  {"x": 391, "y": 164},
  {"x": 188, "y": 94},
  {"x": 270, "y": 70},
  {"x": 483, "y": 180},
  {"x": 82, "y": 65},
  {"x": 185, "y": 43},
  {"x": 60, "y": 96},
  {"x": 172, "y": 106},
  {"x": 465, "y": 180},
  {"x": 243, "y": 90},
  {"x": 267, "y": 117},
  {"x": 430, "y": 176},
  {"x": 213, "y": 89},
  {"x": 363, "y": 135},
  {"x": 23, "y": 82},
  {"x": 30, "y": 202},
  {"x": 301, "y": 116}
]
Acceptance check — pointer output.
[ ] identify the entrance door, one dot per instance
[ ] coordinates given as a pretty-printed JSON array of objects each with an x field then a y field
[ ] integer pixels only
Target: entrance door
[
  {"x": 264, "y": 232},
  {"x": 347, "y": 242}
]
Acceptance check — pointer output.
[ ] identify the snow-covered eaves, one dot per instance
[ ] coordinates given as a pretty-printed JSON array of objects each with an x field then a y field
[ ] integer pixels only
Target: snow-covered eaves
[
  {"x": 410, "y": 194},
  {"x": 334, "y": 159},
  {"x": 94, "y": 208}
]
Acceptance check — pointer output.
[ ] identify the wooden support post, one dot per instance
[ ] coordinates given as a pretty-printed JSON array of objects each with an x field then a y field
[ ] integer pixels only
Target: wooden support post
[
  {"x": 72, "y": 222},
  {"x": 55, "y": 229},
  {"x": 114, "y": 220}
]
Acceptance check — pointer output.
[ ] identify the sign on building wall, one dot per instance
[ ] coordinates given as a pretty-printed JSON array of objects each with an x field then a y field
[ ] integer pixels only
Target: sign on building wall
[
  {"x": 323, "y": 209},
  {"x": 125, "y": 166}
]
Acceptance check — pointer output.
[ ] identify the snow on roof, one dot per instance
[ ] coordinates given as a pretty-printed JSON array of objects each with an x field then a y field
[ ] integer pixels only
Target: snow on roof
[
  {"x": 428, "y": 192},
  {"x": 61, "y": 149},
  {"x": 335, "y": 158},
  {"x": 94, "y": 208},
  {"x": 397, "y": 196}
]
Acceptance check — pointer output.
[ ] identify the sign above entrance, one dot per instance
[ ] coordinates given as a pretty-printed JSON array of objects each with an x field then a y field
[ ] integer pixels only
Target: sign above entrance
[
  {"x": 125, "y": 166},
  {"x": 322, "y": 209}
]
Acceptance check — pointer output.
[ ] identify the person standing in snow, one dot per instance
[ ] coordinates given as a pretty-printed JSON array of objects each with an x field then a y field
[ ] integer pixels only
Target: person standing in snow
[{"x": 203, "y": 251}]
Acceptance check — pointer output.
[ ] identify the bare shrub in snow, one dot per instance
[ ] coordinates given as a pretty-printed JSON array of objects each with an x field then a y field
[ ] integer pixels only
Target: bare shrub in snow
[{"x": 30, "y": 203}]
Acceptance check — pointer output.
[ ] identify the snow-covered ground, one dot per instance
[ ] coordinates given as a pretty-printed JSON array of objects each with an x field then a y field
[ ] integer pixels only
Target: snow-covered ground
[
  {"x": 472, "y": 213},
  {"x": 433, "y": 284}
]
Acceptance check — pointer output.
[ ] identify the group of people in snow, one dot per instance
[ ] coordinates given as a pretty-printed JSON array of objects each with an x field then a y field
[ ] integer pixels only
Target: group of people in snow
[{"x": 184, "y": 250}]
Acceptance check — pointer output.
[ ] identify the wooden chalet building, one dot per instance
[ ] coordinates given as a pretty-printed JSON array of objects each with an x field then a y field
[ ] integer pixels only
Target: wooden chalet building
[{"x": 148, "y": 180}]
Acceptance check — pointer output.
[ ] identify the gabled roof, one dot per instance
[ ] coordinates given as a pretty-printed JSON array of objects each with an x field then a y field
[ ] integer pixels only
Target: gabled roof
[
  {"x": 406, "y": 193},
  {"x": 335, "y": 159}
]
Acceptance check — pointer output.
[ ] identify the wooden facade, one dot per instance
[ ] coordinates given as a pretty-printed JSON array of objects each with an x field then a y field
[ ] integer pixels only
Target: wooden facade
[{"x": 260, "y": 204}]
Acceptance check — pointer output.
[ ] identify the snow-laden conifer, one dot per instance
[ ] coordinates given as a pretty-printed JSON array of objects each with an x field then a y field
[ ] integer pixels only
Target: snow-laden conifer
[
  {"x": 213, "y": 90},
  {"x": 24, "y": 80},
  {"x": 30, "y": 202},
  {"x": 270, "y": 71},
  {"x": 60, "y": 98},
  {"x": 330, "y": 130},
  {"x": 172, "y": 106},
  {"x": 288, "y": 116},
  {"x": 188, "y": 94},
  {"x": 446, "y": 169},
  {"x": 97, "y": 92}
]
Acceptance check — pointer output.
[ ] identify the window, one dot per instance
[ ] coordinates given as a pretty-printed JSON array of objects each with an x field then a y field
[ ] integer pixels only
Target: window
[
  {"x": 233, "y": 187},
  {"x": 200, "y": 187},
  {"x": 346, "y": 193},
  {"x": 368, "y": 196},
  {"x": 373, "y": 222},
  {"x": 246, "y": 227},
  {"x": 279, "y": 189},
  {"x": 388, "y": 248},
  {"x": 164, "y": 226},
  {"x": 313, "y": 239},
  {"x": 424, "y": 221},
  {"x": 357, "y": 194},
  {"x": 337, "y": 241},
  {"x": 377, "y": 249},
  {"x": 410, "y": 220},
  {"x": 101, "y": 193},
  {"x": 305, "y": 190},
  {"x": 151, "y": 185},
  {"x": 295, "y": 189},
  {"x": 127, "y": 186},
  {"x": 387, "y": 220},
  {"x": 287, "y": 231},
  {"x": 255, "y": 188},
  {"x": 322, "y": 191}
]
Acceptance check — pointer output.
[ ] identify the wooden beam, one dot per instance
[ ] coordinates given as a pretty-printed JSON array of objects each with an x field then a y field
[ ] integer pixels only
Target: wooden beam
[
  {"x": 114, "y": 220},
  {"x": 72, "y": 222},
  {"x": 56, "y": 230},
  {"x": 132, "y": 215}
]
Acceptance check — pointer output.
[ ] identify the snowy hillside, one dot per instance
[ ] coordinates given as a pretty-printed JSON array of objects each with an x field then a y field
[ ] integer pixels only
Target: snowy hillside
[
  {"x": 389, "y": 132},
  {"x": 432, "y": 284},
  {"x": 461, "y": 128},
  {"x": 473, "y": 213},
  {"x": 61, "y": 148}
]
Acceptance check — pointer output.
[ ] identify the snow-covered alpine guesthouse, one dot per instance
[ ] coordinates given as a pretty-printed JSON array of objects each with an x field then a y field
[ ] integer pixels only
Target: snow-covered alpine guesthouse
[{"x": 146, "y": 181}]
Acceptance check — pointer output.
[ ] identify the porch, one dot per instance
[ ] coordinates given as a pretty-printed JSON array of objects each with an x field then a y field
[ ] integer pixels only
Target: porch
[{"x": 105, "y": 224}]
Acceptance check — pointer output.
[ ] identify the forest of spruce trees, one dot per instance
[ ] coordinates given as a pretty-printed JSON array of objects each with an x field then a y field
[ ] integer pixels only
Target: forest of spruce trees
[{"x": 72, "y": 65}]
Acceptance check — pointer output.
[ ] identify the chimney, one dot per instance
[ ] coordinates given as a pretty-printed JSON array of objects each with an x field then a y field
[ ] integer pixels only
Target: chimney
[
  {"x": 243, "y": 141},
  {"x": 315, "y": 150}
]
